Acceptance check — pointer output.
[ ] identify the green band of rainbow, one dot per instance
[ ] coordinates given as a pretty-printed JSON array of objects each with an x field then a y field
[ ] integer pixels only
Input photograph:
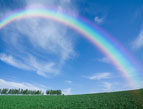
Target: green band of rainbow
[{"x": 111, "y": 51}]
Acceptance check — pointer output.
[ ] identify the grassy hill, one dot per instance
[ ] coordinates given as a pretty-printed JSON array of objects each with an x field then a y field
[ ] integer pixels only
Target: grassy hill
[{"x": 115, "y": 100}]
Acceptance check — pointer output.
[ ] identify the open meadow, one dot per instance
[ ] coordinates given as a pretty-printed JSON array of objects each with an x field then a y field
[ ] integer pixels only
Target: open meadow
[{"x": 114, "y": 100}]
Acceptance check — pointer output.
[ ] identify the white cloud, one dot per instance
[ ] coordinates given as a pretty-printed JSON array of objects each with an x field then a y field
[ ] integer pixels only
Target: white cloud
[
  {"x": 22, "y": 85},
  {"x": 138, "y": 43},
  {"x": 10, "y": 60},
  {"x": 111, "y": 86},
  {"x": 67, "y": 91},
  {"x": 99, "y": 76},
  {"x": 104, "y": 60},
  {"x": 115, "y": 86},
  {"x": 43, "y": 69},
  {"x": 31, "y": 64},
  {"x": 98, "y": 19},
  {"x": 68, "y": 81}
]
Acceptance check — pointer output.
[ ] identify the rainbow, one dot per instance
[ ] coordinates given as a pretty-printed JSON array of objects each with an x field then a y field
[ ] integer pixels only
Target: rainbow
[{"x": 106, "y": 46}]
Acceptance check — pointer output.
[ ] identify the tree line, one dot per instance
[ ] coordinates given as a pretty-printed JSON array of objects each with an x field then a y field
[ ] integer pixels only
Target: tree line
[
  {"x": 6, "y": 91},
  {"x": 53, "y": 92}
]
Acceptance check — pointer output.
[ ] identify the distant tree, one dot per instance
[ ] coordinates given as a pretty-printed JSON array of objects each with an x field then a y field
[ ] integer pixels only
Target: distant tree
[
  {"x": 18, "y": 91},
  {"x": 53, "y": 92},
  {"x": 47, "y": 92},
  {"x": 4, "y": 91},
  {"x": 59, "y": 92},
  {"x": 50, "y": 92},
  {"x": 21, "y": 91},
  {"x": 10, "y": 91}
]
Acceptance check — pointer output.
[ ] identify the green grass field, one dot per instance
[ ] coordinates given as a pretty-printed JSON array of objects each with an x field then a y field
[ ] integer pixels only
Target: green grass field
[{"x": 114, "y": 100}]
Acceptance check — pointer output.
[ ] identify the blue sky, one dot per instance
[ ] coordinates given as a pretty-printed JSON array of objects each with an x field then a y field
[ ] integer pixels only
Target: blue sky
[{"x": 43, "y": 54}]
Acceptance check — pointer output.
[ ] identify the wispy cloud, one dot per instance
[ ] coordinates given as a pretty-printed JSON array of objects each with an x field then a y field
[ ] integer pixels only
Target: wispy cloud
[
  {"x": 115, "y": 86},
  {"x": 68, "y": 81},
  {"x": 99, "y": 19},
  {"x": 67, "y": 91},
  {"x": 111, "y": 86},
  {"x": 43, "y": 69},
  {"x": 22, "y": 85},
  {"x": 99, "y": 76},
  {"x": 138, "y": 43},
  {"x": 12, "y": 61}
]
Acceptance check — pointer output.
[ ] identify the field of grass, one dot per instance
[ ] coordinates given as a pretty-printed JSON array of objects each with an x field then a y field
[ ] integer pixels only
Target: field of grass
[{"x": 115, "y": 100}]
